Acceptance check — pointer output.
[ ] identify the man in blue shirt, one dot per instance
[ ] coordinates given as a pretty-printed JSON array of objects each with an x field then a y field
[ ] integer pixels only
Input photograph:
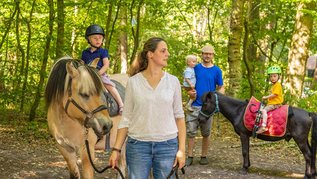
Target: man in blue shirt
[{"x": 208, "y": 78}]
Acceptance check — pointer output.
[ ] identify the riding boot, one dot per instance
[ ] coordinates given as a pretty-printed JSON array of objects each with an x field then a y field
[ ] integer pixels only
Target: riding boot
[{"x": 261, "y": 129}]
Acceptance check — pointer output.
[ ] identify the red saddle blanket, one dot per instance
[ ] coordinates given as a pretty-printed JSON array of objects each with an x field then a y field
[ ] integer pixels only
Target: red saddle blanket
[{"x": 276, "y": 119}]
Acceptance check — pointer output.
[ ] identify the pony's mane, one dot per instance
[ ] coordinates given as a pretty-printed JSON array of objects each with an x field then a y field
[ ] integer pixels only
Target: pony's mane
[
  {"x": 90, "y": 82},
  {"x": 59, "y": 81},
  {"x": 237, "y": 102}
]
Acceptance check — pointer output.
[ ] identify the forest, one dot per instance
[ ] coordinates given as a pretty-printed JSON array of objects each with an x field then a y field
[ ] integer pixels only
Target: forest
[{"x": 248, "y": 37}]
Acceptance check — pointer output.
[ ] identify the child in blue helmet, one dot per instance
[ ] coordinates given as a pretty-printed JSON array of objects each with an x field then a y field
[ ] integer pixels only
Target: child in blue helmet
[
  {"x": 98, "y": 57},
  {"x": 275, "y": 98}
]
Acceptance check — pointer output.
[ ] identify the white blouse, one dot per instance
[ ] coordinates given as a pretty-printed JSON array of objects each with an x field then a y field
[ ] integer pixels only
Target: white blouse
[{"x": 150, "y": 114}]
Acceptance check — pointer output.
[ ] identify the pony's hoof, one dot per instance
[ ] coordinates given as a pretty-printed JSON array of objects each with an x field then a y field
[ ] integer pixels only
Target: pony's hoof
[{"x": 243, "y": 171}]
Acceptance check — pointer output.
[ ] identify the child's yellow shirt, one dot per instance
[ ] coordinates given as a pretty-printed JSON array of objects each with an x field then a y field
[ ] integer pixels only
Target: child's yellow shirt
[{"x": 278, "y": 91}]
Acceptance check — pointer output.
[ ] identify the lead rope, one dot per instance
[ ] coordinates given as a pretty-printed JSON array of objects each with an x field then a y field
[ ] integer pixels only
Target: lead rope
[
  {"x": 107, "y": 144},
  {"x": 174, "y": 170},
  {"x": 92, "y": 163}
]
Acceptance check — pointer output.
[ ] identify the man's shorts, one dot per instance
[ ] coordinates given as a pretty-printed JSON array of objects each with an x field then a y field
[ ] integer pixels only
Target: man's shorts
[{"x": 192, "y": 123}]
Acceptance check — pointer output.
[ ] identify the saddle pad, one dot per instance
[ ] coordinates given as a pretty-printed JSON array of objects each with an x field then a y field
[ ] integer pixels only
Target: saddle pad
[{"x": 276, "y": 119}]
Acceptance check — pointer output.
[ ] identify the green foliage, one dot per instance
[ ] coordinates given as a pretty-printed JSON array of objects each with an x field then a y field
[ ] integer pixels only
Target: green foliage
[
  {"x": 309, "y": 103},
  {"x": 182, "y": 23}
]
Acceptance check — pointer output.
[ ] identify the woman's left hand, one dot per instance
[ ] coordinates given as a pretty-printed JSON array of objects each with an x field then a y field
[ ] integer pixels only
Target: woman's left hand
[{"x": 180, "y": 159}]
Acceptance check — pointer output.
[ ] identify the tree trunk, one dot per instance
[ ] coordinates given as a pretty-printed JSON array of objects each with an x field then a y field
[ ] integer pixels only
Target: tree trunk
[
  {"x": 234, "y": 46},
  {"x": 60, "y": 29},
  {"x": 298, "y": 53},
  {"x": 107, "y": 28},
  {"x": 44, "y": 62},
  {"x": 5, "y": 60},
  {"x": 20, "y": 57},
  {"x": 109, "y": 37},
  {"x": 26, "y": 71},
  {"x": 249, "y": 47},
  {"x": 74, "y": 32},
  {"x": 135, "y": 30},
  {"x": 211, "y": 26},
  {"x": 123, "y": 40},
  {"x": 8, "y": 26}
]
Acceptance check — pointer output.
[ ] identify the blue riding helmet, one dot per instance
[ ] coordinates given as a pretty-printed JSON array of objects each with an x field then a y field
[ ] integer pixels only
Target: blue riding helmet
[{"x": 94, "y": 29}]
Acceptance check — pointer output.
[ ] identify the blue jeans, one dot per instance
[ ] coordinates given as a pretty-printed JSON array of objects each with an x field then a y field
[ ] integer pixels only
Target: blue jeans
[{"x": 142, "y": 156}]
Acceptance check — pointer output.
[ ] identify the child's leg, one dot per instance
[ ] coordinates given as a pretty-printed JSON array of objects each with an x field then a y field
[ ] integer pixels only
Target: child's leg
[
  {"x": 264, "y": 117},
  {"x": 263, "y": 127},
  {"x": 190, "y": 102},
  {"x": 115, "y": 94},
  {"x": 193, "y": 97},
  {"x": 267, "y": 109}
]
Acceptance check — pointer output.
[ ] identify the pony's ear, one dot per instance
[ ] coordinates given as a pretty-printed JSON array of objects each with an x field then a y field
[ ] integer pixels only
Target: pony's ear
[
  {"x": 209, "y": 95},
  {"x": 205, "y": 96},
  {"x": 71, "y": 70}
]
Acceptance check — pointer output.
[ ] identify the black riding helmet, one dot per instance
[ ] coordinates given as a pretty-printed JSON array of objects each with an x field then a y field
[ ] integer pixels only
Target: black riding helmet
[{"x": 94, "y": 29}]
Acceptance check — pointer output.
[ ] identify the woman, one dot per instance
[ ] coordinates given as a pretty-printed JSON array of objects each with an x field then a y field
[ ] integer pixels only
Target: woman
[{"x": 153, "y": 118}]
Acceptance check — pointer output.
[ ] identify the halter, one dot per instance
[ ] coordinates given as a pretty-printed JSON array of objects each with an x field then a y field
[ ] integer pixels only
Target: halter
[
  {"x": 89, "y": 115},
  {"x": 215, "y": 111}
]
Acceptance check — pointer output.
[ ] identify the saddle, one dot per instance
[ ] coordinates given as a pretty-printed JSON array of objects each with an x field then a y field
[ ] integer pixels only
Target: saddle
[
  {"x": 276, "y": 119},
  {"x": 111, "y": 103}
]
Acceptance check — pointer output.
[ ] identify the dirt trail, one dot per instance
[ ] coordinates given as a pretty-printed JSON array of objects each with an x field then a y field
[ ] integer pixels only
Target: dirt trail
[{"x": 26, "y": 157}]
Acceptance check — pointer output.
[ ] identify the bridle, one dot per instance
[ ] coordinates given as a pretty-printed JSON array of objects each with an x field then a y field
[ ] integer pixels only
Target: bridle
[
  {"x": 216, "y": 109},
  {"x": 89, "y": 114}
]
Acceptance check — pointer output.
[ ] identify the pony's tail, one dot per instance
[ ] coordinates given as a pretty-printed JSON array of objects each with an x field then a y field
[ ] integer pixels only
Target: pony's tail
[{"x": 313, "y": 142}]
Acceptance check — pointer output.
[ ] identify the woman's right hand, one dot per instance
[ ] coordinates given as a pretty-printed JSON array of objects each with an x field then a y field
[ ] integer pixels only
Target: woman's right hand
[{"x": 114, "y": 158}]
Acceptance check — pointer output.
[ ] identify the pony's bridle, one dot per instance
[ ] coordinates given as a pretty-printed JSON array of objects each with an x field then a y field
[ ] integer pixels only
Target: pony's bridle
[
  {"x": 216, "y": 109},
  {"x": 89, "y": 115}
]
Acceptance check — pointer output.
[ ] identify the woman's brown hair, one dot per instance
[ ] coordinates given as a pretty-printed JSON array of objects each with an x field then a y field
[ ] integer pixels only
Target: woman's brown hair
[{"x": 141, "y": 62}]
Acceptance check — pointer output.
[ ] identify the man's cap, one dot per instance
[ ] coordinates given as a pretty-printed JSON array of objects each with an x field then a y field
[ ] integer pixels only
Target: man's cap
[{"x": 208, "y": 49}]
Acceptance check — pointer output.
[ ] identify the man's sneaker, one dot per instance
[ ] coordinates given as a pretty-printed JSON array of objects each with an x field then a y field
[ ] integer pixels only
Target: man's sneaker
[
  {"x": 189, "y": 161},
  {"x": 203, "y": 161}
]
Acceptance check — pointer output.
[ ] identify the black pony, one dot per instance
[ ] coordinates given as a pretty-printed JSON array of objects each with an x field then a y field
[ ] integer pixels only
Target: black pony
[{"x": 298, "y": 127}]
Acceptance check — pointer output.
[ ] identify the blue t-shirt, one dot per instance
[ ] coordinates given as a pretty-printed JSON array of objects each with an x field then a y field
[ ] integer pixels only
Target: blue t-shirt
[
  {"x": 87, "y": 56},
  {"x": 207, "y": 80}
]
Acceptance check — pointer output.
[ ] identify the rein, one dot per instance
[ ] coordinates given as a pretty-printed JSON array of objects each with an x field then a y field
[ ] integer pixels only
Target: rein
[
  {"x": 217, "y": 109},
  {"x": 93, "y": 165}
]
